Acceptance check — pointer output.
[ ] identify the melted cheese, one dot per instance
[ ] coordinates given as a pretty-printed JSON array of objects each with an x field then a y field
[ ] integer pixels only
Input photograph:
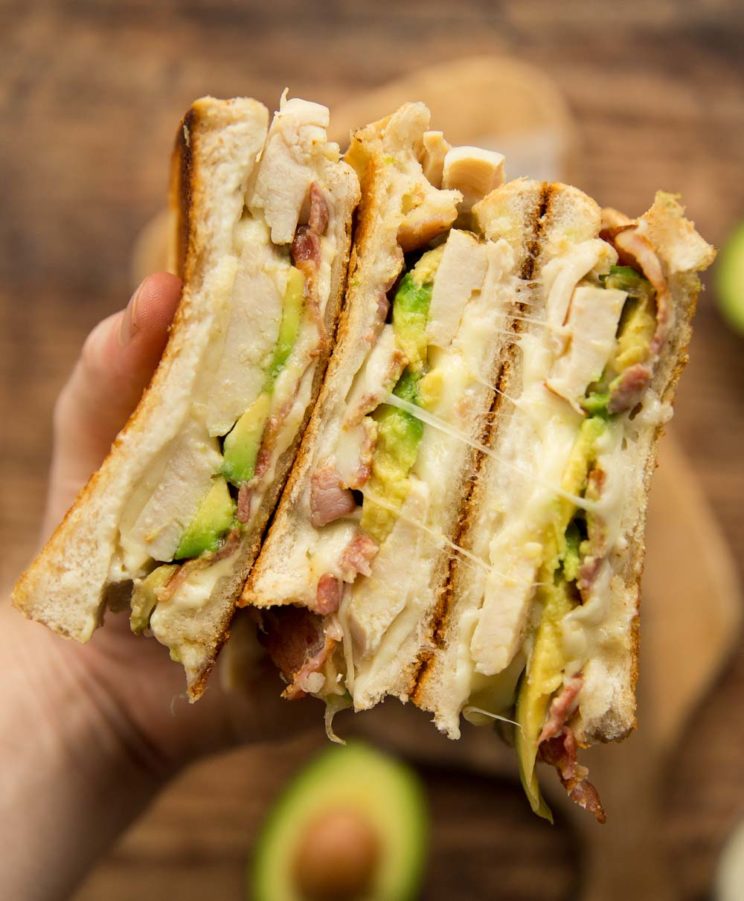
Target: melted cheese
[
  {"x": 377, "y": 377},
  {"x": 538, "y": 441},
  {"x": 380, "y": 642}
]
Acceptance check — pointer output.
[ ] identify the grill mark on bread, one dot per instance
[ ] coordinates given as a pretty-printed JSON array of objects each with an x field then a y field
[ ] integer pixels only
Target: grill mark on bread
[
  {"x": 182, "y": 189},
  {"x": 440, "y": 617}
]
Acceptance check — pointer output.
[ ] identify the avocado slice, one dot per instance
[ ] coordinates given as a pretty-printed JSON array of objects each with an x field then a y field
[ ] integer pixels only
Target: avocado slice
[
  {"x": 398, "y": 437},
  {"x": 543, "y": 677},
  {"x": 145, "y": 596},
  {"x": 556, "y": 595},
  {"x": 411, "y": 308},
  {"x": 352, "y": 825},
  {"x": 241, "y": 445},
  {"x": 292, "y": 307},
  {"x": 214, "y": 517},
  {"x": 398, "y": 432}
]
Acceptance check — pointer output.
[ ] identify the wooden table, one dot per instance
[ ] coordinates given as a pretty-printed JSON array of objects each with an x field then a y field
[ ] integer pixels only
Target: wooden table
[{"x": 90, "y": 97}]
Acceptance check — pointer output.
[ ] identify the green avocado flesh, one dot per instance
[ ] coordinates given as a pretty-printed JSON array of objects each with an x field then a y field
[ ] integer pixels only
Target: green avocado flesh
[
  {"x": 242, "y": 444},
  {"x": 145, "y": 596},
  {"x": 398, "y": 437},
  {"x": 292, "y": 308},
  {"x": 214, "y": 517},
  {"x": 410, "y": 315},
  {"x": 557, "y": 596},
  {"x": 399, "y": 432},
  {"x": 729, "y": 278},
  {"x": 352, "y": 825}
]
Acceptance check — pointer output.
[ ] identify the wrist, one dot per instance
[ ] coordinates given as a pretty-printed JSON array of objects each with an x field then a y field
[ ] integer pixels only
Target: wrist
[{"x": 75, "y": 770}]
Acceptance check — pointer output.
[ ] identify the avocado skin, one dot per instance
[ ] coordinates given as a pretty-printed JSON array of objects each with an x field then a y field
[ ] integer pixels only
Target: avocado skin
[
  {"x": 214, "y": 517},
  {"x": 354, "y": 777}
]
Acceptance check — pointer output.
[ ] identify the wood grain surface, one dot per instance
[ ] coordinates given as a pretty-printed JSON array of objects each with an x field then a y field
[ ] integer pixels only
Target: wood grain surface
[{"x": 90, "y": 95}]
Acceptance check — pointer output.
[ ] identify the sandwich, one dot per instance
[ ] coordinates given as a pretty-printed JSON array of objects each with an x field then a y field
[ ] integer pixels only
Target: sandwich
[
  {"x": 427, "y": 477},
  {"x": 171, "y": 522},
  {"x": 463, "y": 525}
]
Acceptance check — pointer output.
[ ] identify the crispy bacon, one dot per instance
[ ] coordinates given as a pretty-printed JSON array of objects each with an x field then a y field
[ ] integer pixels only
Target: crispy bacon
[
  {"x": 627, "y": 393},
  {"x": 328, "y": 500},
  {"x": 245, "y": 493},
  {"x": 305, "y": 248},
  {"x": 560, "y": 752},
  {"x": 318, "y": 219},
  {"x": 229, "y": 546},
  {"x": 562, "y": 708},
  {"x": 329, "y": 593},
  {"x": 298, "y": 643},
  {"x": 357, "y": 557}
]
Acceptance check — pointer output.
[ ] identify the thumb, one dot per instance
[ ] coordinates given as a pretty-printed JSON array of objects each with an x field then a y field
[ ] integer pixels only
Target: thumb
[{"x": 114, "y": 367}]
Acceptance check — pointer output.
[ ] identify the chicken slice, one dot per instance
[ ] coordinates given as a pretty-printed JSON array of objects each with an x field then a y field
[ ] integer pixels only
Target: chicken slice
[
  {"x": 474, "y": 172},
  {"x": 591, "y": 328},
  {"x": 461, "y": 272},
  {"x": 297, "y": 139}
]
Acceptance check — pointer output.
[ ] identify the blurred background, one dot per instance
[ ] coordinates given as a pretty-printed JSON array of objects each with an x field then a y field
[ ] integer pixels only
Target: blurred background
[{"x": 91, "y": 93}]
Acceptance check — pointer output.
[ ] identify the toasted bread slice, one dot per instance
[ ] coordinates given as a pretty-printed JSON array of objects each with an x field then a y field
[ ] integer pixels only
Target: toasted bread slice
[{"x": 239, "y": 195}]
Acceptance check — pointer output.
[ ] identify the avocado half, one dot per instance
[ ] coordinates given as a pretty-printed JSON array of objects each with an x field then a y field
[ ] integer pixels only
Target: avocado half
[
  {"x": 351, "y": 826},
  {"x": 729, "y": 279}
]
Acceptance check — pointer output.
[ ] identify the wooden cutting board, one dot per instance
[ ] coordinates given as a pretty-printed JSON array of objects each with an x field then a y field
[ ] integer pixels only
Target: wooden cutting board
[{"x": 691, "y": 597}]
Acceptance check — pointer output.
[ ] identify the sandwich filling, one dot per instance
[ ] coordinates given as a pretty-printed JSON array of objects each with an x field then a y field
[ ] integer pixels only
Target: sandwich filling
[
  {"x": 546, "y": 614},
  {"x": 181, "y": 532},
  {"x": 598, "y": 318}
]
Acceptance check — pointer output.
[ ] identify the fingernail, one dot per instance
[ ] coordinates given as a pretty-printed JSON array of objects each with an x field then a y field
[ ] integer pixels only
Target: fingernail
[{"x": 129, "y": 325}]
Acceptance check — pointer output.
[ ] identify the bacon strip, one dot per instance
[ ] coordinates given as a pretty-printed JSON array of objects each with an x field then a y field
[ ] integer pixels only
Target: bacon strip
[
  {"x": 305, "y": 249},
  {"x": 298, "y": 643},
  {"x": 357, "y": 557},
  {"x": 328, "y": 500},
  {"x": 319, "y": 213},
  {"x": 560, "y": 752},
  {"x": 562, "y": 708},
  {"x": 627, "y": 393},
  {"x": 329, "y": 593}
]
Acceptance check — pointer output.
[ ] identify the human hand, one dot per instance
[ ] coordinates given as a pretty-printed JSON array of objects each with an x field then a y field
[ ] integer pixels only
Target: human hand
[{"x": 118, "y": 703}]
